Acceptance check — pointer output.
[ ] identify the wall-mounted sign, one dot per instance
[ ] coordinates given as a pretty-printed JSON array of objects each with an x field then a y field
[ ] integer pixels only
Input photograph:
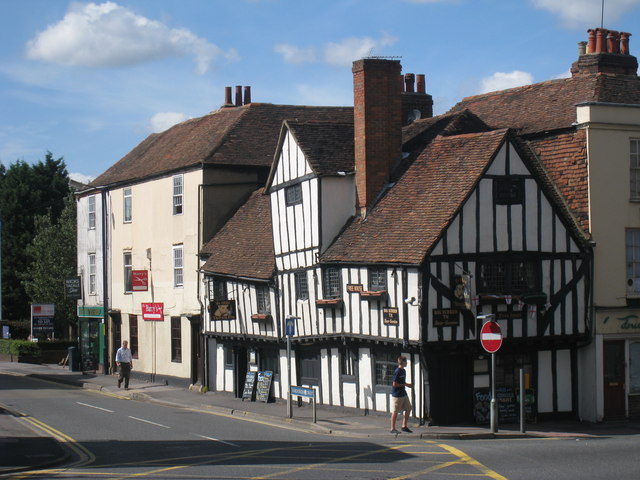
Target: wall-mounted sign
[
  {"x": 390, "y": 316},
  {"x": 153, "y": 311},
  {"x": 73, "y": 288},
  {"x": 355, "y": 287},
  {"x": 617, "y": 322},
  {"x": 140, "y": 280},
  {"x": 461, "y": 292},
  {"x": 91, "y": 312},
  {"x": 516, "y": 315},
  {"x": 446, "y": 317},
  {"x": 222, "y": 309}
]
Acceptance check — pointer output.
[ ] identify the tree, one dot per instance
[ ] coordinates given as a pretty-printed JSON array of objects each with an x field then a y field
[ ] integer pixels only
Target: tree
[
  {"x": 26, "y": 191},
  {"x": 52, "y": 256}
]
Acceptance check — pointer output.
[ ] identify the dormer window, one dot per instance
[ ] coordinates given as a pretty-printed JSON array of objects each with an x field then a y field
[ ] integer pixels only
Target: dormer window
[{"x": 293, "y": 194}]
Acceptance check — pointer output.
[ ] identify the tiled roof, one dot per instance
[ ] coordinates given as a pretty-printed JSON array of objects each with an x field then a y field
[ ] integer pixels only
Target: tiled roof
[
  {"x": 328, "y": 147},
  {"x": 549, "y": 105},
  {"x": 406, "y": 223},
  {"x": 241, "y": 136},
  {"x": 564, "y": 158},
  {"x": 244, "y": 246}
]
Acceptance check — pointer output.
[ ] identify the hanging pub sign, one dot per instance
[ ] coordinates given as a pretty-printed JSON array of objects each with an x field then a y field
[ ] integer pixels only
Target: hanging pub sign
[
  {"x": 153, "y": 311},
  {"x": 390, "y": 316},
  {"x": 140, "y": 280},
  {"x": 222, "y": 309},
  {"x": 446, "y": 317},
  {"x": 73, "y": 288},
  {"x": 461, "y": 292},
  {"x": 355, "y": 287}
]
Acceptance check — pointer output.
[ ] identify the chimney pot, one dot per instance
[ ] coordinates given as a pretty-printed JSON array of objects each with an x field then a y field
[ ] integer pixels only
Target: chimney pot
[
  {"x": 409, "y": 80},
  {"x": 582, "y": 48},
  {"x": 247, "y": 95},
  {"x": 421, "y": 85},
  {"x": 611, "y": 42},
  {"x": 601, "y": 42},
  {"x": 238, "y": 95},
  {"x": 592, "y": 41},
  {"x": 624, "y": 43},
  {"x": 228, "y": 102}
]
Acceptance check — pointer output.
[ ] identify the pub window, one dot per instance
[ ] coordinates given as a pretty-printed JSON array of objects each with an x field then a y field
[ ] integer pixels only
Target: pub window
[
  {"x": 126, "y": 205},
  {"x": 508, "y": 191},
  {"x": 302, "y": 286},
  {"x": 332, "y": 283},
  {"x": 268, "y": 361},
  {"x": 219, "y": 289},
  {"x": 386, "y": 363},
  {"x": 177, "y": 194},
  {"x": 92, "y": 273},
  {"x": 262, "y": 299},
  {"x": 228, "y": 356},
  {"x": 508, "y": 277},
  {"x": 377, "y": 279},
  {"x": 128, "y": 269},
  {"x": 633, "y": 261},
  {"x": 634, "y": 172},
  {"x": 293, "y": 194},
  {"x": 92, "y": 212},
  {"x": 176, "y": 340},
  {"x": 348, "y": 362},
  {"x": 133, "y": 335}
]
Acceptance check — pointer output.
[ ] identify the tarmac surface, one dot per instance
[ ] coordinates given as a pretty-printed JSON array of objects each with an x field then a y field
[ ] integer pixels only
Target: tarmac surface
[{"x": 23, "y": 448}]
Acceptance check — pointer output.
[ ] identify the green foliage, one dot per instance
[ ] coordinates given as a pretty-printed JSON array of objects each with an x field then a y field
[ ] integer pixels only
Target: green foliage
[
  {"x": 52, "y": 257},
  {"x": 19, "y": 348},
  {"x": 26, "y": 192}
]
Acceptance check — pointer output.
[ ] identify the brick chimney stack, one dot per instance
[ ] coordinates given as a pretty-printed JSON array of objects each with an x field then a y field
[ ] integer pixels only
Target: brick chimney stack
[
  {"x": 607, "y": 52},
  {"x": 377, "y": 126},
  {"x": 415, "y": 98}
]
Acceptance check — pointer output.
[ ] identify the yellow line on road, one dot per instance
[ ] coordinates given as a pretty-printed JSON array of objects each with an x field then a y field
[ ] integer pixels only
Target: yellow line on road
[{"x": 472, "y": 461}]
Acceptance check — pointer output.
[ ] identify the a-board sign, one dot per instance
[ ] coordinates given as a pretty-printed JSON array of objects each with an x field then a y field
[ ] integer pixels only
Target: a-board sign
[
  {"x": 264, "y": 386},
  {"x": 249, "y": 386},
  {"x": 507, "y": 404}
]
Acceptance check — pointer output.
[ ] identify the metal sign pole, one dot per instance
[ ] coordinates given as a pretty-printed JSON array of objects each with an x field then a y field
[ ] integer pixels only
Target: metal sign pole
[
  {"x": 494, "y": 423},
  {"x": 521, "y": 400},
  {"x": 289, "y": 410}
]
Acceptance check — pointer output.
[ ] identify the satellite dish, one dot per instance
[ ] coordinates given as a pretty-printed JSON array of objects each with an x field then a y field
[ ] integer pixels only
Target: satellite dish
[{"x": 414, "y": 115}]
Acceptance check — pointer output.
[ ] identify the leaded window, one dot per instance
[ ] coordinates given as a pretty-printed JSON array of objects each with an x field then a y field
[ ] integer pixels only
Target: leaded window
[{"x": 332, "y": 283}]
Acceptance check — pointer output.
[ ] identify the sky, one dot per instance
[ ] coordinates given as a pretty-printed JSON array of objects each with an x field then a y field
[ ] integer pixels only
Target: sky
[{"x": 88, "y": 81}]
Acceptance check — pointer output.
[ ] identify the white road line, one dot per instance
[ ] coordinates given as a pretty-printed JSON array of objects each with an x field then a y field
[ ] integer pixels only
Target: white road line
[
  {"x": 217, "y": 440},
  {"x": 93, "y": 406},
  {"x": 147, "y": 421}
]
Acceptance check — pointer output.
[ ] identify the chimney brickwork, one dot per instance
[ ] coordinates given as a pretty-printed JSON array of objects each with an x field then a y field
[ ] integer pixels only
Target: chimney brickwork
[
  {"x": 415, "y": 97},
  {"x": 607, "y": 52},
  {"x": 377, "y": 126}
]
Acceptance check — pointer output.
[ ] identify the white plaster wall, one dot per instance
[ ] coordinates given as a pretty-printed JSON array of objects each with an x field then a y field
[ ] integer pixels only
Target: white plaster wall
[{"x": 338, "y": 205}]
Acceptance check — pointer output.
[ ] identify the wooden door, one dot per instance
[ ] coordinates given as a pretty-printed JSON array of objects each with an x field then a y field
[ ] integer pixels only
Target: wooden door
[
  {"x": 614, "y": 380},
  {"x": 308, "y": 367}
]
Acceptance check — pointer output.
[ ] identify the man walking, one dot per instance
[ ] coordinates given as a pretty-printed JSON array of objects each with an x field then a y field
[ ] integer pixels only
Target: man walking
[
  {"x": 399, "y": 399},
  {"x": 124, "y": 362}
]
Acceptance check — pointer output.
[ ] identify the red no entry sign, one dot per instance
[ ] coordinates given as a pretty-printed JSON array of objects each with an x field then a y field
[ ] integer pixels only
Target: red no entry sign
[{"x": 491, "y": 337}]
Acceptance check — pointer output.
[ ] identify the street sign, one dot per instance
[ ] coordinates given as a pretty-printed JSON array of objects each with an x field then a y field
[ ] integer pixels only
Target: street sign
[
  {"x": 491, "y": 337},
  {"x": 153, "y": 311},
  {"x": 290, "y": 326},
  {"x": 302, "y": 391}
]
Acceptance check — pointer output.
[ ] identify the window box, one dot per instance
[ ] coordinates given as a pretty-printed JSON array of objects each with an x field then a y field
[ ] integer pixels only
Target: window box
[
  {"x": 377, "y": 295},
  {"x": 261, "y": 317},
  {"x": 329, "y": 302}
]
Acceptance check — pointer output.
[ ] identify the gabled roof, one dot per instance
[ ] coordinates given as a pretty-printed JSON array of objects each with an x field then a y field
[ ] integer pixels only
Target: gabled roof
[
  {"x": 328, "y": 147},
  {"x": 244, "y": 246},
  {"x": 406, "y": 223},
  {"x": 549, "y": 105},
  {"x": 239, "y": 136}
]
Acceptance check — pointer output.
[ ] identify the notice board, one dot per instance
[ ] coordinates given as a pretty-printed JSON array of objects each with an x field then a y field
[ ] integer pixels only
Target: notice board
[
  {"x": 249, "y": 386},
  {"x": 264, "y": 386}
]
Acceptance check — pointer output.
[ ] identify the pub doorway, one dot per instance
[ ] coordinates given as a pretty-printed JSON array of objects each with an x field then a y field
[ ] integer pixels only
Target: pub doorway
[{"x": 614, "y": 379}]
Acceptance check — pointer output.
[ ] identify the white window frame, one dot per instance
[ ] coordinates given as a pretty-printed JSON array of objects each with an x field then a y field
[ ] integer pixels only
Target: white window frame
[
  {"x": 632, "y": 255},
  {"x": 93, "y": 271},
  {"x": 178, "y": 194},
  {"x": 634, "y": 169},
  {"x": 127, "y": 205},
  {"x": 127, "y": 262},
  {"x": 92, "y": 212},
  {"x": 178, "y": 265}
]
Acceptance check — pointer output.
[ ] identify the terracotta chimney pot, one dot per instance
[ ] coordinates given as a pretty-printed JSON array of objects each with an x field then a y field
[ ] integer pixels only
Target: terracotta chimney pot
[
  {"x": 409, "y": 81},
  {"x": 611, "y": 42},
  {"x": 591, "y": 48},
  {"x": 421, "y": 84},
  {"x": 624, "y": 43},
  {"x": 601, "y": 45},
  {"x": 247, "y": 95},
  {"x": 228, "y": 102},
  {"x": 238, "y": 95}
]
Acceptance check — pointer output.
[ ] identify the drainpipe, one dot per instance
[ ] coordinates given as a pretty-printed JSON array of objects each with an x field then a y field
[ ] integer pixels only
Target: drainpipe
[{"x": 105, "y": 279}]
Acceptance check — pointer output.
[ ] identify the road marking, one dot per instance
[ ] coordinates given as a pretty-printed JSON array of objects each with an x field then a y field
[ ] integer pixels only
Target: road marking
[
  {"x": 472, "y": 461},
  {"x": 217, "y": 440},
  {"x": 148, "y": 421},
  {"x": 93, "y": 406}
]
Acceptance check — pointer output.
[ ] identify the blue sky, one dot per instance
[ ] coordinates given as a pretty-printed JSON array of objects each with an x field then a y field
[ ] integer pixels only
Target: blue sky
[{"x": 90, "y": 80}]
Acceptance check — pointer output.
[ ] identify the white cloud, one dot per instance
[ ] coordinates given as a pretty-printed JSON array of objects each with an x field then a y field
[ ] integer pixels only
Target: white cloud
[
  {"x": 107, "y": 35},
  {"x": 565, "y": 74},
  {"x": 164, "y": 120},
  {"x": 335, "y": 53},
  {"x": 503, "y": 80},
  {"x": 296, "y": 55},
  {"x": 586, "y": 13},
  {"x": 81, "y": 177}
]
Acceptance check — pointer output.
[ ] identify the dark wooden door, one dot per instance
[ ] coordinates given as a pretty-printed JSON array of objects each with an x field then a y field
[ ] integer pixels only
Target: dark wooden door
[
  {"x": 308, "y": 367},
  {"x": 614, "y": 379},
  {"x": 451, "y": 389}
]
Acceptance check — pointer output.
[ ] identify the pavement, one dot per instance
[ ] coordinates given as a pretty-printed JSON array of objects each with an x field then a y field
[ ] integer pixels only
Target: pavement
[{"x": 23, "y": 447}]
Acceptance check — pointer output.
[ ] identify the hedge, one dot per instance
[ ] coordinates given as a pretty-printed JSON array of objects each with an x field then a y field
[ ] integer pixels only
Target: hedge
[{"x": 19, "y": 348}]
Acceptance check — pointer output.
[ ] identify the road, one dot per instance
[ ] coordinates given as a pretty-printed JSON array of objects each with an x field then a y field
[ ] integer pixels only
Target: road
[{"x": 112, "y": 437}]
